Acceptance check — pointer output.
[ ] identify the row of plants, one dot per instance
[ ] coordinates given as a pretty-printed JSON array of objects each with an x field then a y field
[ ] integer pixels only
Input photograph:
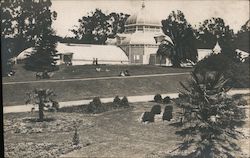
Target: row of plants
[
  {"x": 96, "y": 106},
  {"x": 45, "y": 98}
]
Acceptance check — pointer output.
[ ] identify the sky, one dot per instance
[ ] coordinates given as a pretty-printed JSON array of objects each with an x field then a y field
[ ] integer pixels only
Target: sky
[{"x": 234, "y": 12}]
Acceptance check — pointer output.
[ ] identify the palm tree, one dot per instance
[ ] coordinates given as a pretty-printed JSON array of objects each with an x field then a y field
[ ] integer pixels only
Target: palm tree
[
  {"x": 210, "y": 117},
  {"x": 182, "y": 36},
  {"x": 42, "y": 98}
]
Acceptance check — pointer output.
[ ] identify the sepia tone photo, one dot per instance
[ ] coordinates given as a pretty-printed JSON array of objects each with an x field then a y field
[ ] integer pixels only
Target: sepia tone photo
[{"x": 125, "y": 78}]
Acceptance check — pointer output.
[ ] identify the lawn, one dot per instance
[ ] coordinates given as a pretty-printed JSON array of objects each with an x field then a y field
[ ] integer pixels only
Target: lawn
[
  {"x": 89, "y": 71},
  {"x": 78, "y": 90},
  {"x": 115, "y": 133},
  {"x": 15, "y": 94}
]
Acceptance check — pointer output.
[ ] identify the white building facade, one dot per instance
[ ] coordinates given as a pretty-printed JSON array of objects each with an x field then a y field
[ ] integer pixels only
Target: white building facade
[{"x": 139, "y": 38}]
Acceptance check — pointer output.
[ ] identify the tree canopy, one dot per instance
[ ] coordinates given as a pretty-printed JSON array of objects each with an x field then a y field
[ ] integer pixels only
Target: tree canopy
[
  {"x": 242, "y": 37},
  {"x": 213, "y": 30},
  {"x": 22, "y": 24},
  {"x": 182, "y": 35},
  {"x": 96, "y": 27}
]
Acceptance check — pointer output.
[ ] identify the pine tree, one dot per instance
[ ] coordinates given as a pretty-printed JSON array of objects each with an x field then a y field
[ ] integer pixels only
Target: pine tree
[{"x": 43, "y": 56}]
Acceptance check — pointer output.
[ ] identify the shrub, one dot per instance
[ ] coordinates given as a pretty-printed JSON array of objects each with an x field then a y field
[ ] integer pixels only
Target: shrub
[
  {"x": 237, "y": 72},
  {"x": 156, "y": 109},
  {"x": 95, "y": 106},
  {"x": 55, "y": 105},
  {"x": 76, "y": 140},
  {"x": 166, "y": 100},
  {"x": 148, "y": 117},
  {"x": 116, "y": 101},
  {"x": 158, "y": 98},
  {"x": 167, "y": 115},
  {"x": 124, "y": 102}
]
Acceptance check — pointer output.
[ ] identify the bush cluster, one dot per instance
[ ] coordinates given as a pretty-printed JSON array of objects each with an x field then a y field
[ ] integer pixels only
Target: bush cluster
[
  {"x": 158, "y": 99},
  {"x": 237, "y": 72},
  {"x": 95, "y": 106},
  {"x": 117, "y": 102}
]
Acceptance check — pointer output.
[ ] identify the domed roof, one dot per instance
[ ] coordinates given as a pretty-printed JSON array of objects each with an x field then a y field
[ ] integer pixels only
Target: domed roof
[{"x": 143, "y": 17}]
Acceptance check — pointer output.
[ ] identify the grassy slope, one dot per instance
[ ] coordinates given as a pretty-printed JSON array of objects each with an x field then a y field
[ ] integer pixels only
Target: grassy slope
[
  {"x": 88, "y": 71},
  {"x": 77, "y": 90}
]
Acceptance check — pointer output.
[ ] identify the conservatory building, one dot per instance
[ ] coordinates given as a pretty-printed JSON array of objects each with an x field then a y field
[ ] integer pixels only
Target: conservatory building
[{"x": 141, "y": 38}]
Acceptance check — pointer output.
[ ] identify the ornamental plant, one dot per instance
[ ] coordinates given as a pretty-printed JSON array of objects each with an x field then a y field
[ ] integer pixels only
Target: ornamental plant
[
  {"x": 43, "y": 98},
  {"x": 210, "y": 117}
]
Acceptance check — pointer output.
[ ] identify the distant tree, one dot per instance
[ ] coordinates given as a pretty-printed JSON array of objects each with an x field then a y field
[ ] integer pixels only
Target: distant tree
[
  {"x": 97, "y": 27},
  {"x": 93, "y": 28},
  {"x": 242, "y": 37},
  {"x": 182, "y": 35},
  {"x": 215, "y": 29},
  {"x": 117, "y": 23}
]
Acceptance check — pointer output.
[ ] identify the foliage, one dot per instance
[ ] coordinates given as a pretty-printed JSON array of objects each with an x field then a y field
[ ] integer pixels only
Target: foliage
[
  {"x": 166, "y": 100},
  {"x": 148, "y": 117},
  {"x": 43, "y": 57},
  {"x": 116, "y": 101},
  {"x": 210, "y": 117},
  {"x": 165, "y": 50},
  {"x": 22, "y": 21},
  {"x": 76, "y": 139},
  {"x": 117, "y": 23},
  {"x": 124, "y": 102},
  {"x": 167, "y": 115},
  {"x": 95, "y": 106},
  {"x": 97, "y": 27},
  {"x": 43, "y": 98},
  {"x": 182, "y": 35},
  {"x": 158, "y": 98},
  {"x": 156, "y": 109},
  {"x": 238, "y": 73},
  {"x": 213, "y": 30},
  {"x": 242, "y": 37}
]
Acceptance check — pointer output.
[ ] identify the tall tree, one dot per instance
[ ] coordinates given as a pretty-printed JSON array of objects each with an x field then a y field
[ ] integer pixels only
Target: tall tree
[
  {"x": 182, "y": 35},
  {"x": 97, "y": 27},
  {"x": 215, "y": 29},
  {"x": 43, "y": 56},
  {"x": 93, "y": 28},
  {"x": 117, "y": 23},
  {"x": 22, "y": 22}
]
